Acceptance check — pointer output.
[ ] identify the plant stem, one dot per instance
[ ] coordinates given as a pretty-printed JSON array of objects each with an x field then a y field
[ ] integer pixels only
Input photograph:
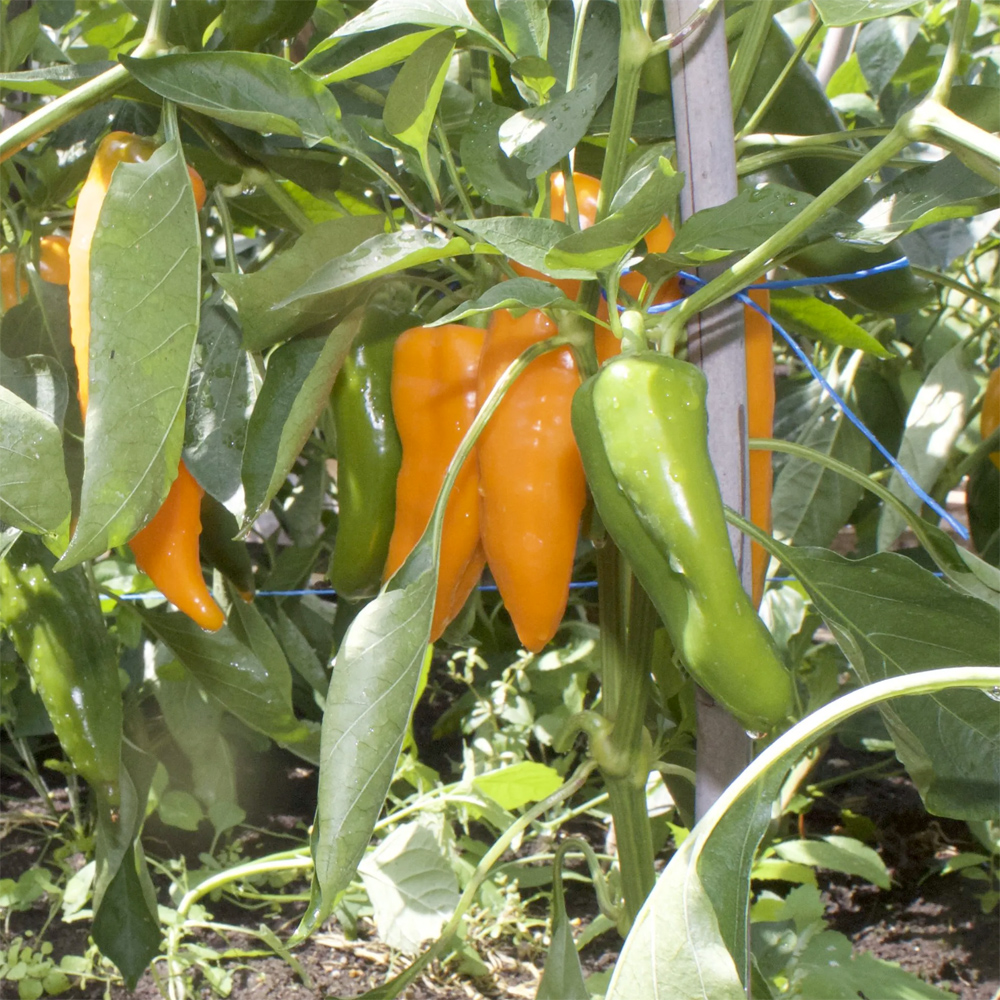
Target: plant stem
[
  {"x": 748, "y": 53},
  {"x": 949, "y": 65},
  {"x": 62, "y": 109},
  {"x": 449, "y": 162}
]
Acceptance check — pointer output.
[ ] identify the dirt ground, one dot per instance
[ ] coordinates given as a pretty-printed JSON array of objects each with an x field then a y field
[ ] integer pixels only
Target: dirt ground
[{"x": 931, "y": 925}]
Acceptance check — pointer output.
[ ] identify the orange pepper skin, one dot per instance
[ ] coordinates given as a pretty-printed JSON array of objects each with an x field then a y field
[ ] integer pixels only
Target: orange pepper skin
[
  {"x": 760, "y": 423},
  {"x": 532, "y": 483},
  {"x": 53, "y": 267},
  {"x": 166, "y": 550},
  {"x": 433, "y": 389},
  {"x": 989, "y": 417}
]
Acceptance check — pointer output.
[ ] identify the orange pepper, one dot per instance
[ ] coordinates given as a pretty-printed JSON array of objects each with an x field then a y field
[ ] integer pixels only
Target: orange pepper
[
  {"x": 166, "y": 549},
  {"x": 532, "y": 483},
  {"x": 989, "y": 417},
  {"x": 760, "y": 423},
  {"x": 53, "y": 266},
  {"x": 433, "y": 389}
]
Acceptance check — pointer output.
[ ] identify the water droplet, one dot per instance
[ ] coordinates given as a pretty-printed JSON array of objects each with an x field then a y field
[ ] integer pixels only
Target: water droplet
[
  {"x": 755, "y": 734},
  {"x": 994, "y": 694}
]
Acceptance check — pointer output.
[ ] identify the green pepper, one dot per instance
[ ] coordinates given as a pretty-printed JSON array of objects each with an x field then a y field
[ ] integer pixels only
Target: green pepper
[
  {"x": 368, "y": 454},
  {"x": 642, "y": 428},
  {"x": 221, "y": 549},
  {"x": 801, "y": 107},
  {"x": 55, "y": 623}
]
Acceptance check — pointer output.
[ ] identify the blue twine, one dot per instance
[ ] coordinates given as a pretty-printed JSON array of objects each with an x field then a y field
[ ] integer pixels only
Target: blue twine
[
  {"x": 959, "y": 528},
  {"x": 832, "y": 279}
]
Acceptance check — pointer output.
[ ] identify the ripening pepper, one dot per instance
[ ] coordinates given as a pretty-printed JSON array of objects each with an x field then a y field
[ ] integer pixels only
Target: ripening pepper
[
  {"x": 531, "y": 478},
  {"x": 368, "y": 454},
  {"x": 166, "y": 549},
  {"x": 434, "y": 372},
  {"x": 989, "y": 418},
  {"x": 55, "y": 623},
  {"x": 760, "y": 424},
  {"x": 53, "y": 267},
  {"x": 642, "y": 427}
]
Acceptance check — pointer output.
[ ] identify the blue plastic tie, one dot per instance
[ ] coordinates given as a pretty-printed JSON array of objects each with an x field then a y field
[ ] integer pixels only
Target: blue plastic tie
[{"x": 959, "y": 528}]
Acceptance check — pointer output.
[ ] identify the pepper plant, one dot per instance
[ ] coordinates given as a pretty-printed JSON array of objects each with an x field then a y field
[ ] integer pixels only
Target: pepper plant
[{"x": 394, "y": 290}]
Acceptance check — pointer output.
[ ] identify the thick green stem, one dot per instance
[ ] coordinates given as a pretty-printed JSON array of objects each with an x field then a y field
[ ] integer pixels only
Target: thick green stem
[
  {"x": 748, "y": 54},
  {"x": 635, "y": 844},
  {"x": 744, "y": 271},
  {"x": 949, "y": 65},
  {"x": 633, "y": 50},
  {"x": 62, "y": 109}
]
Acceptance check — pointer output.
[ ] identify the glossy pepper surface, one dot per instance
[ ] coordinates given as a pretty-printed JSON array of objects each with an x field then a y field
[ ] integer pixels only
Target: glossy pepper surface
[
  {"x": 166, "y": 549},
  {"x": 642, "y": 427},
  {"x": 53, "y": 267},
  {"x": 989, "y": 418},
  {"x": 531, "y": 477},
  {"x": 760, "y": 423},
  {"x": 55, "y": 623},
  {"x": 434, "y": 378},
  {"x": 368, "y": 454}
]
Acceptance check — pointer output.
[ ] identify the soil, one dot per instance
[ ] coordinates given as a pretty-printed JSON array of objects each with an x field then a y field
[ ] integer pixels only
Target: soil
[{"x": 931, "y": 925}]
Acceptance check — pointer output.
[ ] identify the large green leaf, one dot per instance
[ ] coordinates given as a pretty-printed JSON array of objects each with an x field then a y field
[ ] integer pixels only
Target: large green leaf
[
  {"x": 219, "y": 401},
  {"x": 500, "y": 179},
  {"x": 607, "y": 242},
  {"x": 529, "y": 293},
  {"x": 891, "y": 617},
  {"x": 258, "y": 295},
  {"x": 808, "y": 316},
  {"x": 336, "y": 59},
  {"x": 689, "y": 939},
  {"x": 296, "y": 388},
  {"x": 253, "y": 691},
  {"x": 380, "y": 255},
  {"x": 430, "y": 13},
  {"x": 937, "y": 417},
  {"x": 40, "y": 381},
  {"x": 411, "y": 885},
  {"x": 881, "y": 47},
  {"x": 525, "y": 240},
  {"x": 412, "y": 101},
  {"x": 145, "y": 292},
  {"x": 841, "y": 13},
  {"x": 34, "y": 491},
  {"x": 250, "y": 89},
  {"x": 525, "y": 26},
  {"x": 542, "y": 136}
]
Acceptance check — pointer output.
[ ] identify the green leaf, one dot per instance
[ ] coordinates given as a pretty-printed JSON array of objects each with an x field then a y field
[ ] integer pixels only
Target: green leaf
[
  {"x": 145, "y": 292},
  {"x": 891, "y": 617},
  {"x": 612, "y": 238},
  {"x": 838, "y": 854},
  {"x": 681, "y": 942},
  {"x": 229, "y": 671},
  {"x": 179, "y": 808},
  {"x": 253, "y": 90},
  {"x": 827, "y": 968},
  {"x": 296, "y": 388},
  {"x": 924, "y": 195},
  {"x": 258, "y": 295},
  {"x": 430, "y": 13},
  {"x": 40, "y": 381},
  {"x": 810, "y": 503},
  {"x": 411, "y": 885},
  {"x": 937, "y": 417},
  {"x": 362, "y": 54},
  {"x": 742, "y": 223},
  {"x": 380, "y": 255},
  {"x": 841, "y": 13},
  {"x": 53, "y": 80},
  {"x": 562, "y": 977},
  {"x": 525, "y": 26},
  {"x": 413, "y": 98},
  {"x": 808, "y": 316},
  {"x": 525, "y": 240},
  {"x": 220, "y": 397},
  {"x": 542, "y": 136},
  {"x": 527, "y": 293},
  {"x": 501, "y": 180},
  {"x": 515, "y": 786},
  {"x": 126, "y": 927},
  {"x": 368, "y": 705},
  {"x": 34, "y": 491},
  {"x": 881, "y": 47}
]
